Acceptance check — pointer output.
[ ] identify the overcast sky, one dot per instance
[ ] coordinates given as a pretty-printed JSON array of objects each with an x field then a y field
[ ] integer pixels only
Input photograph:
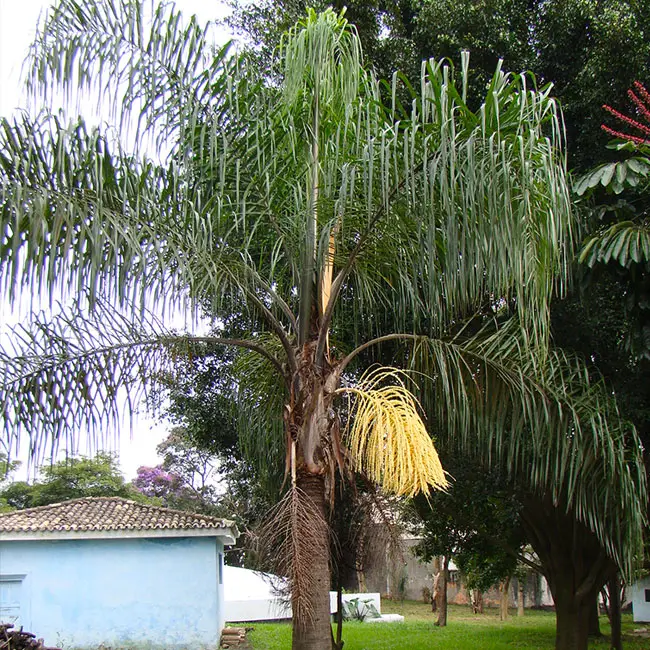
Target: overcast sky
[{"x": 18, "y": 19}]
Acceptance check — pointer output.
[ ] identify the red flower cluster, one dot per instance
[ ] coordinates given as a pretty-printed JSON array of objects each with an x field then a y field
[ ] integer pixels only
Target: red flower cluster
[{"x": 641, "y": 100}]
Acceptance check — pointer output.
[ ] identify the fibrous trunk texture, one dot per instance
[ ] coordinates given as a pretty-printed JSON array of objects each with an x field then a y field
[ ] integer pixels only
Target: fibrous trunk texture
[{"x": 314, "y": 632}]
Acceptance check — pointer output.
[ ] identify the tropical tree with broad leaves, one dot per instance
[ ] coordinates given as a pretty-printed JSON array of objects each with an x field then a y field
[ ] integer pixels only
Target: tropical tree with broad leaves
[{"x": 293, "y": 213}]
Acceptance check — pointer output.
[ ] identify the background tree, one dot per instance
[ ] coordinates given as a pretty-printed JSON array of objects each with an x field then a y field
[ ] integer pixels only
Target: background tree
[
  {"x": 476, "y": 522},
  {"x": 72, "y": 478},
  {"x": 591, "y": 50}
]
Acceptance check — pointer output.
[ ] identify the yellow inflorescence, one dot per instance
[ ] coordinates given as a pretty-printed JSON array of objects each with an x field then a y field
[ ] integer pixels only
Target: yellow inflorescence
[{"x": 388, "y": 439}]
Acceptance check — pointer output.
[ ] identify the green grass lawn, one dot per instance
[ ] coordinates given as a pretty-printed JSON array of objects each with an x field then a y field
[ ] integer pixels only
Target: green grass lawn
[{"x": 465, "y": 631}]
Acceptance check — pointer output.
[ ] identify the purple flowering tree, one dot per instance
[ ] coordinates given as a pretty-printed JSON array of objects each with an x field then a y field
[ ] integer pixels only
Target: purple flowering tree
[{"x": 155, "y": 482}]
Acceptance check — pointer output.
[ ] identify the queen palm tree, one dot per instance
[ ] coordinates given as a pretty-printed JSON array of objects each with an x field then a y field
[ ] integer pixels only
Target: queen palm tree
[{"x": 292, "y": 213}]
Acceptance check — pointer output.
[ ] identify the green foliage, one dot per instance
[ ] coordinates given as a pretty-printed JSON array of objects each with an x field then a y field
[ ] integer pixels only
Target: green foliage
[
  {"x": 207, "y": 400},
  {"x": 591, "y": 50},
  {"x": 616, "y": 198},
  {"x": 429, "y": 206},
  {"x": 476, "y": 521},
  {"x": 355, "y": 609},
  {"x": 73, "y": 478},
  {"x": 7, "y": 467}
]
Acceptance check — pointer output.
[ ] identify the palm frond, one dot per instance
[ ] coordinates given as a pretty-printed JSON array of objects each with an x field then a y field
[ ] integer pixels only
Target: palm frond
[
  {"x": 547, "y": 424},
  {"x": 79, "y": 215},
  {"x": 80, "y": 372},
  {"x": 258, "y": 409},
  {"x": 140, "y": 58}
]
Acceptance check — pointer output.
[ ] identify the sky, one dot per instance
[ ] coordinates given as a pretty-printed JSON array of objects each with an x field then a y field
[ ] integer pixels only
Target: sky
[{"x": 135, "y": 445}]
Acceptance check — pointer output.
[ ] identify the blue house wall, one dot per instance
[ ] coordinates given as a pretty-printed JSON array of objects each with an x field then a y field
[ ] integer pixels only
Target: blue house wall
[{"x": 133, "y": 592}]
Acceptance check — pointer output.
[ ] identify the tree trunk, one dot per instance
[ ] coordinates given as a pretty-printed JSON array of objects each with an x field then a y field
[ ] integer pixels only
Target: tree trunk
[
  {"x": 504, "y": 588},
  {"x": 360, "y": 563},
  {"x": 614, "y": 588},
  {"x": 572, "y": 623},
  {"x": 361, "y": 580},
  {"x": 594, "y": 620},
  {"x": 520, "y": 597},
  {"x": 436, "y": 584},
  {"x": 337, "y": 643},
  {"x": 442, "y": 593},
  {"x": 315, "y": 631},
  {"x": 574, "y": 563},
  {"x": 476, "y": 596}
]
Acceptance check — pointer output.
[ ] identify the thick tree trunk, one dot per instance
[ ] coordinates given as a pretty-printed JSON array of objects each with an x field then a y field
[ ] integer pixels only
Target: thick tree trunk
[
  {"x": 572, "y": 623},
  {"x": 520, "y": 597},
  {"x": 575, "y": 566},
  {"x": 315, "y": 632},
  {"x": 442, "y": 593},
  {"x": 614, "y": 588}
]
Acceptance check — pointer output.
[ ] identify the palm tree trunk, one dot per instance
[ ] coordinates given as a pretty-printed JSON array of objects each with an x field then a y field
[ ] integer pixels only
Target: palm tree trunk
[{"x": 315, "y": 632}]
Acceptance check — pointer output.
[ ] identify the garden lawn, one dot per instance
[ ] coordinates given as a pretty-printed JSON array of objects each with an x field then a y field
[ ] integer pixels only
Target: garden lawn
[{"x": 465, "y": 631}]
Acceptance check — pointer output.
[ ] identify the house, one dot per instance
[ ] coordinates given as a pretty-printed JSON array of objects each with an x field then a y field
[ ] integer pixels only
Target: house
[
  {"x": 640, "y": 596},
  {"x": 115, "y": 572}
]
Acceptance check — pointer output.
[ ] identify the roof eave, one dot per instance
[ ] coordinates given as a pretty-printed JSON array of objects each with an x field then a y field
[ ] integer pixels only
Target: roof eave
[{"x": 226, "y": 535}]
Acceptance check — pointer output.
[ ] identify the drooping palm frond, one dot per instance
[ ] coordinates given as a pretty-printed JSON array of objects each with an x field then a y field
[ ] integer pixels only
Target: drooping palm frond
[
  {"x": 258, "y": 407},
  {"x": 292, "y": 535},
  {"x": 141, "y": 59},
  {"x": 77, "y": 214},
  {"x": 547, "y": 424},
  {"x": 387, "y": 439},
  {"x": 76, "y": 372},
  {"x": 431, "y": 210}
]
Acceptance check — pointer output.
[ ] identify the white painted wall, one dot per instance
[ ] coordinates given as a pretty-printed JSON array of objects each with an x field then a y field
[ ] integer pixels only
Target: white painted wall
[
  {"x": 253, "y": 596},
  {"x": 640, "y": 607}
]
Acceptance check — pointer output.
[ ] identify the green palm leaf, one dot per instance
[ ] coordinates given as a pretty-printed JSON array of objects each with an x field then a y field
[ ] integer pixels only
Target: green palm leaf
[
  {"x": 551, "y": 427},
  {"x": 625, "y": 242},
  {"x": 77, "y": 372}
]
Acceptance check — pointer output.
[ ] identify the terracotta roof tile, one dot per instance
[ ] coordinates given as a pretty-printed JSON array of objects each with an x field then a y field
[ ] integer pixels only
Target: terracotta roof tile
[{"x": 105, "y": 514}]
